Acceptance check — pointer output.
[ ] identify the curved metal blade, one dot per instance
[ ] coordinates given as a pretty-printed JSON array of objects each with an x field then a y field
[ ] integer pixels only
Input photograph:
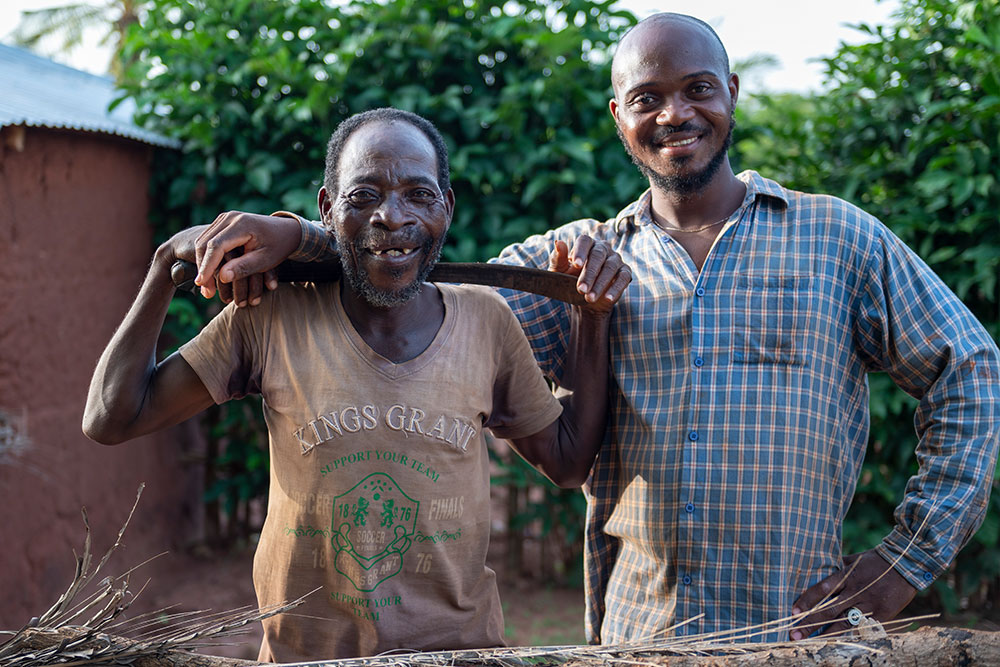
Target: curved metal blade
[{"x": 549, "y": 284}]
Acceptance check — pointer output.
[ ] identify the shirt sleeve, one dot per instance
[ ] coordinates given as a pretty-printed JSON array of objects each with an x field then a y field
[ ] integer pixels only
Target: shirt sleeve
[
  {"x": 523, "y": 404},
  {"x": 545, "y": 321},
  {"x": 914, "y": 328},
  {"x": 226, "y": 354},
  {"x": 316, "y": 242}
]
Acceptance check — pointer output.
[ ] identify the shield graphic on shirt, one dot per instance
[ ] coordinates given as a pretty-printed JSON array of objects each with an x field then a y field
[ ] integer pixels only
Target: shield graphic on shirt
[{"x": 373, "y": 525}]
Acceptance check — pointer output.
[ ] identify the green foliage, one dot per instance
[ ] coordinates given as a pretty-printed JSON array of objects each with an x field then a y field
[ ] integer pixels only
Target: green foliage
[
  {"x": 908, "y": 129},
  {"x": 254, "y": 89},
  {"x": 550, "y": 518}
]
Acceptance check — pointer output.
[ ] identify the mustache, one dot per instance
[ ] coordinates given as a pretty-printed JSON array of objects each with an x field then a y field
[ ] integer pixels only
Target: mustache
[
  {"x": 664, "y": 131},
  {"x": 374, "y": 237}
]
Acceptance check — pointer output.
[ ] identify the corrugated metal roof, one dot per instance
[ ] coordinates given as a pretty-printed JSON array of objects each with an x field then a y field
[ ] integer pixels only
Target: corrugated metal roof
[{"x": 38, "y": 92}]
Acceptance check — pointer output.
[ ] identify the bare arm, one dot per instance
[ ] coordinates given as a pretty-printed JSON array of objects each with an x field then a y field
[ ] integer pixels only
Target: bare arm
[
  {"x": 130, "y": 394},
  {"x": 565, "y": 450}
]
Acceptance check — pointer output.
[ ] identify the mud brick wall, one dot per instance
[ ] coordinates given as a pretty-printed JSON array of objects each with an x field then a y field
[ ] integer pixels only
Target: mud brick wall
[{"x": 74, "y": 246}]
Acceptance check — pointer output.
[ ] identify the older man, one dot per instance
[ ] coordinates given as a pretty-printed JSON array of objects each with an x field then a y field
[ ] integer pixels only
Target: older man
[{"x": 377, "y": 391}]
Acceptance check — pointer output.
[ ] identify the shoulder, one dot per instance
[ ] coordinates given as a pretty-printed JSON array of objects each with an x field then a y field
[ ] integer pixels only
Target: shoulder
[
  {"x": 474, "y": 300},
  {"x": 534, "y": 250},
  {"x": 299, "y": 295},
  {"x": 290, "y": 304},
  {"x": 822, "y": 215},
  {"x": 480, "y": 311}
]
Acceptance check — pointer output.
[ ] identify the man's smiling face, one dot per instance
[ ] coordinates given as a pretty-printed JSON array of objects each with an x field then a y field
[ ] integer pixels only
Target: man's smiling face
[
  {"x": 389, "y": 215},
  {"x": 674, "y": 102}
]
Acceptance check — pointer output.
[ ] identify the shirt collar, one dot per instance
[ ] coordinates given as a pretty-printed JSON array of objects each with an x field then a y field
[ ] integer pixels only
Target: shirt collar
[{"x": 638, "y": 213}]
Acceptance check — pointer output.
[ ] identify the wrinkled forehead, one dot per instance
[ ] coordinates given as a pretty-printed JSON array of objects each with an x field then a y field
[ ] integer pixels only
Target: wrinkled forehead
[
  {"x": 388, "y": 148},
  {"x": 665, "y": 49}
]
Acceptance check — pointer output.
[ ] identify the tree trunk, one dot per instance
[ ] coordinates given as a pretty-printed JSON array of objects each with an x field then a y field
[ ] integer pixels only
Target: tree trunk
[{"x": 926, "y": 646}]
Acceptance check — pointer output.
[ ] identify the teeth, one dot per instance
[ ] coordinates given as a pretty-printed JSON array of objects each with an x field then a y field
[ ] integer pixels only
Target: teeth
[
  {"x": 393, "y": 252},
  {"x": 683, "y": 142}
]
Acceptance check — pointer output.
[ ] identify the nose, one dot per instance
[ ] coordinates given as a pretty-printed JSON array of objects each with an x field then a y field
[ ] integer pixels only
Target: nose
[
  {"x": 675, "y": 112},
  {"x": 392, "y": 213}
]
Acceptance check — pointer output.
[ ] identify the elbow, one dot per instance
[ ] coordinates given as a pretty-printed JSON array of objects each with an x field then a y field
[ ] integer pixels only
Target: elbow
[
  {"x": 569, "y": 479},
  {"x": 574, "y": 482},
  {"x": 101, "y": 430}
]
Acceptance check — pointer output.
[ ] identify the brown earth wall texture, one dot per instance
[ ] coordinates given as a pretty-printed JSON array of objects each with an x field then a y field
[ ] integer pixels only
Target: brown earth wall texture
[{"x": 74, "y": 246}]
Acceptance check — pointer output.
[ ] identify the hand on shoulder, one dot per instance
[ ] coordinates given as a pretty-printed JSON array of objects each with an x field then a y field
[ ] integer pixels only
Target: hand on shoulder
[
  {"x": 602, "y": 275},
  {"x": 237, "y": 253}
]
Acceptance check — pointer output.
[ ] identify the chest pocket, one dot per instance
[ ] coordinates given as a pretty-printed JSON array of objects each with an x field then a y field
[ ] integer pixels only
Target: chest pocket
[{"x": 771, "y": 319}]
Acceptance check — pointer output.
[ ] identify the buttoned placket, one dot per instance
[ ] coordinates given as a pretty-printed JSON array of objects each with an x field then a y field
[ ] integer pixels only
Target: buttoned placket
[{"x": 695, "y": 454}]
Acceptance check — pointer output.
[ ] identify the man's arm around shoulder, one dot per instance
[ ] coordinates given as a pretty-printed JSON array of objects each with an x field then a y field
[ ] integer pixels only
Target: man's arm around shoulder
[{"x": 565, "y": 450}]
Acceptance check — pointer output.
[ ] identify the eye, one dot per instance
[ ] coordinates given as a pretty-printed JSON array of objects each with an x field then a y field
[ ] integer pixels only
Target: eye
[
  {"x": 361, "y": 197},
  {"x": 423, "y": 194},
  {"x": 642, "y": 100},
  {"x": 701, "y": 89}
]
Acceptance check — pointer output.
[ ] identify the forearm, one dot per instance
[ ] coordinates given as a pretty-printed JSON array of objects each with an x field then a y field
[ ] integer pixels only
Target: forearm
[
  {"x": 585, "y": 410},
  {"x": 122, "y": 381},
  {"x": 566, "y": 450},
  {"x": 315, "y": 243},
  {"x": 946, "y": 500}
]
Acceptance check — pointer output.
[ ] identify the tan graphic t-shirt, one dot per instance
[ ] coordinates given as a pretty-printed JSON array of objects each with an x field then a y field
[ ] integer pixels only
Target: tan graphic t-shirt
[{"x": 379, "y": 489}]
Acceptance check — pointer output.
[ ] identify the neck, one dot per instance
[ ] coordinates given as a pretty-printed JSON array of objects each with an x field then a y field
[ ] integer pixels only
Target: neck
[
  {"x": 690, "y": 210},
  {"x": 399, "y": 333},
  {"x": 366, "y": 317}
]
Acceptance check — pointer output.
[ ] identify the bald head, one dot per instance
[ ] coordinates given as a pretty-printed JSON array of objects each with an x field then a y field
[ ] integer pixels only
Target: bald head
[{"x": 666, "y": 30}]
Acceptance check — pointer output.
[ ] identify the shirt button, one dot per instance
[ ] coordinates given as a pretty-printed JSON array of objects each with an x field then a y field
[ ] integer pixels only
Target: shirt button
[
  {"x": 699, "y": 362},
  {"x": 700, "y": 291},
  {"x": 687, "y": 579},
  {"x": 689, "y": 508},
  {"x": 692, "y": 436},
  {"x": 928, "y": 576}
]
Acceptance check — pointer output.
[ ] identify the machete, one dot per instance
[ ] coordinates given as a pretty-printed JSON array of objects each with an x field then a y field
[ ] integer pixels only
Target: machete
[{"x": 549, "y": 284}]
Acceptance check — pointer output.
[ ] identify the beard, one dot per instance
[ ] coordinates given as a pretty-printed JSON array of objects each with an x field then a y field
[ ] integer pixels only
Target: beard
[
  {"x": 359, "y": 280},
  {"x": 680, "y": 184}
]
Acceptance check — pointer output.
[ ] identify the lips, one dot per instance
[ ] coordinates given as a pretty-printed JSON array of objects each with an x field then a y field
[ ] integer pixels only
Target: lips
[
  {"x": 677, "y": 139},
  {"x": 678, "y": 143},
  {"x": 391, "y": 252},
  {"x": 385, "y": 246},
  {"x": 394, "y": 254}
]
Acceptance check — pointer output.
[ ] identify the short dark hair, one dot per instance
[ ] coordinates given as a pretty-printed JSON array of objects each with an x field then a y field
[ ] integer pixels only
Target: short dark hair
[{"x": 331, "y": 175}]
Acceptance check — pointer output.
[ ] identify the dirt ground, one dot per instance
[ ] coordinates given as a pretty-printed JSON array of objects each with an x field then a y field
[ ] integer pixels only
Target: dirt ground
[{"x": 203, "y": 581}]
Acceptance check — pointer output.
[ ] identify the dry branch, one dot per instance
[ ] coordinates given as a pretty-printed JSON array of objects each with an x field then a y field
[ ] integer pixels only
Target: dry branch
[
  {"x": 926, "y": 646},
  {"x": 120, "y": 646},
  {"x": 86, "y": 625}
]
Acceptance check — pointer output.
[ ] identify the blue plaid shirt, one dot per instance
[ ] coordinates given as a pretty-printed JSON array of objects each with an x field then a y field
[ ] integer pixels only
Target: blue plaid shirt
[{"x": 740, "y": 409}]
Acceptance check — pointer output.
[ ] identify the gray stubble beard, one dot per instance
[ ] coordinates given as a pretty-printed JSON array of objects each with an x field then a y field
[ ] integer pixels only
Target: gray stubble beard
[{"x": 358, "y": 280}]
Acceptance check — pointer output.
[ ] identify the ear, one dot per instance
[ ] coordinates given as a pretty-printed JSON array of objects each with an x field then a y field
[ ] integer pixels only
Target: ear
[
  {"x": 734, "y": 88},
  {"x": 449, "y": 203},
  {"x": 613, "y": 107},
  {"x": 325, "y": 207}
]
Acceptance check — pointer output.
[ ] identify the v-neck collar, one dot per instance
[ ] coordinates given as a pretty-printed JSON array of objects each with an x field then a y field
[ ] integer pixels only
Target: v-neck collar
[{"x": 387, "y": 367}]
